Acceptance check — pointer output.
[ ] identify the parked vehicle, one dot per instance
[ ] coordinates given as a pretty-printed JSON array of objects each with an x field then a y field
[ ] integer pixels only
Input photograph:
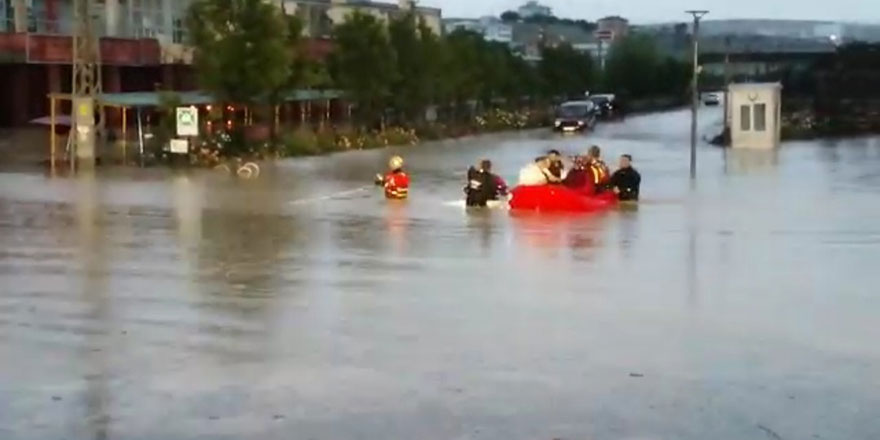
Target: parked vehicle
[
  {"x": 711, "y": 99},
  {"x": 575, "y": 116},
  {"x": 606, "y": 106}
]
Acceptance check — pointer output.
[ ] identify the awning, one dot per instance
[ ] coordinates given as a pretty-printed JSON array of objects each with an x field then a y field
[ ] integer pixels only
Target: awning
[
  {"x": 153, "y": 99},
  {"x": 62, "y": 120}
]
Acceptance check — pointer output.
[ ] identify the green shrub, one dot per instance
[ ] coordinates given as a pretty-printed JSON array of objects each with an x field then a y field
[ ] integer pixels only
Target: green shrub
[{"x": 300, "y": 142}]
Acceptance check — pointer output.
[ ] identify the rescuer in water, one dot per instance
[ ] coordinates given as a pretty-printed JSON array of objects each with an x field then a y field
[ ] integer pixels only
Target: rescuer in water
[
  {"x": 396, "y": 181},
  {"x": 483, "y": 186},
  {"x": 579, "y": 177},
  {"x": 598, "y": 170},
  {"x": 626, "y": 180}
]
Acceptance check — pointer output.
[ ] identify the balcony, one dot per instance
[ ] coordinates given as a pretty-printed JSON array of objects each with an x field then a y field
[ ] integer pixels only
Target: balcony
[{"x": 58, "y": 49}]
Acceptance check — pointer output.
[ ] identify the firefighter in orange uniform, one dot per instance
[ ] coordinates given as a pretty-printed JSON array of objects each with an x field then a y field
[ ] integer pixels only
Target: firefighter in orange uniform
[{"x": 396, "y": 181}]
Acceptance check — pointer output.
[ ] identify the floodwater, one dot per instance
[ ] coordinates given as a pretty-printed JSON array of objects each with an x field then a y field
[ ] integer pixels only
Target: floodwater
[{"x": 158, "y": 304}]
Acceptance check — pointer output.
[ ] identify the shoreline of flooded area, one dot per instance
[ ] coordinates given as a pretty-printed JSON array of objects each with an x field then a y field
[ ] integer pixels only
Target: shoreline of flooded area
[{"x": 141, "y": 304}]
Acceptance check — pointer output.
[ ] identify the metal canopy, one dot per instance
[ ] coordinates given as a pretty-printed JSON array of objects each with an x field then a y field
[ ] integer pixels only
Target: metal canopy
[{"x": 153, "y": 99}]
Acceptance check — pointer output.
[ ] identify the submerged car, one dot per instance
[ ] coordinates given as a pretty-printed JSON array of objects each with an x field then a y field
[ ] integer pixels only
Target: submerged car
[
  {"x": 575, "y": 116},
  {"x": 606, "y": 106}
]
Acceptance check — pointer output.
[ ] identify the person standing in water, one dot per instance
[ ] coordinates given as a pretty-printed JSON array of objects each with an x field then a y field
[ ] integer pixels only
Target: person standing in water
[
  {"x": 579, "y": 177},
  {"x": 626, "y": 180},
  {"x": 599, "y": 171},
  {"x": 483, "y": 186},
  {"x": 396, "y": 181}
]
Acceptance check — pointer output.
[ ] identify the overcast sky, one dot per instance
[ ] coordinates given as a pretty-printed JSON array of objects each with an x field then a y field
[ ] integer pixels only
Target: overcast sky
[{"x": 647, "y": 11}]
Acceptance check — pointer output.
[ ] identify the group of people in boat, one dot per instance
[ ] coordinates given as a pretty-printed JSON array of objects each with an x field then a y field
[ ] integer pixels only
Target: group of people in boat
[{"x": 588, "y": 175}]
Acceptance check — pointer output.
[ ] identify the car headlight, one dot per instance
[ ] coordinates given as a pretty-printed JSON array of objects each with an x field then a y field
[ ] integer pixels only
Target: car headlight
[
  {"x": 580, "y": 122},
  {"x": 557, "y": 122}
]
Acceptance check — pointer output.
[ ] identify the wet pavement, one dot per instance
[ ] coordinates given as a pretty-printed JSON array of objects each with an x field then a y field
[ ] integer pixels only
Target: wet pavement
[{"x": 157, "y": 304}]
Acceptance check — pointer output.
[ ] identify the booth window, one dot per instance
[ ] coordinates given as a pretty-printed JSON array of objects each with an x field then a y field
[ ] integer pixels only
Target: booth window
[
  {"x": 760, "y": 117},
  {"x": 745, "y": 117}
]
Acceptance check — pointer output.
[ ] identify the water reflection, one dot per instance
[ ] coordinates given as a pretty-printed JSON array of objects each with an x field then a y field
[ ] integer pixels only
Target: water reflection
[
  {"x": 627, "y": 219},
  {"x": 397, "y": 222},
  {"x": 745, "y": 161},
  {"x": 246, "y": 240},
  {"x": 480, "y": 223},
  {"x": 93, "y": 250},
  {"x": 555, "y": 235}
]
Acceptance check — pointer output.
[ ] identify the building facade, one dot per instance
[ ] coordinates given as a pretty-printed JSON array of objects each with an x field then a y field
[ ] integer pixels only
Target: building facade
[
  {"x": 141, "y": 48},
  {"x": 618, "y": 27},
  {"x": 142, "y": 44},
  {"x": 319, "y": 16},
  {"x": 534, "y": 9}
]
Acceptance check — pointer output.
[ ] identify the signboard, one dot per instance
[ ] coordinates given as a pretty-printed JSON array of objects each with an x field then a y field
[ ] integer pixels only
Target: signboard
[
  {"x": 84, "y": 121},
  {"x": 179, "y": 146},
  {"x": 605, "y": 35},
  {"x": 187, "y": 121}
]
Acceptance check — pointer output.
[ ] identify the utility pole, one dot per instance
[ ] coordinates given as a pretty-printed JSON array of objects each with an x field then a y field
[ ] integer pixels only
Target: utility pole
[
  {"x": 86, "y": 87},
  {"x": 726, "y": 84},
  {"x": 695, "y": 90}
]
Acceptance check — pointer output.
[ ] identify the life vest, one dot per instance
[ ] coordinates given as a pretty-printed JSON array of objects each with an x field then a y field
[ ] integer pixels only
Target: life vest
[
  {"x": 600, "y": 172},
  {"x": 396, "y": 185}
]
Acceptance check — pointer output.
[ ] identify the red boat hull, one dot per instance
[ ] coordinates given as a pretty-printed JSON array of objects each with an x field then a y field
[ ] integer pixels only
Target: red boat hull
[{"x": 557, "y": 198}]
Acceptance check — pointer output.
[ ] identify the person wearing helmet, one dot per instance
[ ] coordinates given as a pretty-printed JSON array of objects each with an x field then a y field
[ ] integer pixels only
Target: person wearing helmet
[{"x": 396, "y": 181}]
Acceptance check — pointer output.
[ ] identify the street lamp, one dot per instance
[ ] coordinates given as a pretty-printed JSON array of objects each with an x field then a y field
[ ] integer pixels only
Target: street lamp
[{"x": 695, "y": 93}]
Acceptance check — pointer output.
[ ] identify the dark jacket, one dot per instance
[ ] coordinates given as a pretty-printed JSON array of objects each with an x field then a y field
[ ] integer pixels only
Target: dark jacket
[
  {"x": 481, "y": 187},
  {"x": 627, "y": 181},
  {"x": 579, "y": 179}
]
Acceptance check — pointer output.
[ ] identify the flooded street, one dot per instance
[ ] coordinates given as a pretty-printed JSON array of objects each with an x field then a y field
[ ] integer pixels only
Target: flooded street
[{"x": 161, "y": 304}]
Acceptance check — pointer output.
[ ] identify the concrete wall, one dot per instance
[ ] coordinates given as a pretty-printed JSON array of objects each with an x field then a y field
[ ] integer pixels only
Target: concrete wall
[{"x": 754, "y": 115}]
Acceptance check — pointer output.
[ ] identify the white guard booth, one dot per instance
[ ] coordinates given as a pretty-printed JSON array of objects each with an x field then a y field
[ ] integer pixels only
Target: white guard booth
[{"x": 754, "y": 115}]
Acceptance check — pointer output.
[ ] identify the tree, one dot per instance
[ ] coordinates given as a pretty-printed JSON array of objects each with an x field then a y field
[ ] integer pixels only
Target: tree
[
  {"x": 631, "y": 66},
  {"x": 510, "y": 16},
  {"x": 411, "y": 88},
  {"x": 566, "y": 72},
  {"x": 241, "y": 52},
  {"x": 305, "y": 72},
  {"x": 437, "y": 57},
  {"x": 635, "y": 68},
  {"x": 462, "y": 67},
  {"x": 364, "y": 64}
]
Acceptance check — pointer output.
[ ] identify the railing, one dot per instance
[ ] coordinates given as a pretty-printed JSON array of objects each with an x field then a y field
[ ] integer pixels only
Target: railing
[{"x": 50, "y": 49}]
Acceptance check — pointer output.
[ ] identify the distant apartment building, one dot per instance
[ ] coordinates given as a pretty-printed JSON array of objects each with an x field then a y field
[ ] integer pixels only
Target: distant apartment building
[
  {"x": 319, "y": 16},
  {"x": 530, "y": 38},
  {"x": 617, "y": 27},
  {"x": 491, "y": 28},
  {"x": 451, "y": 25},
  {"x": 534, "y": 9}
]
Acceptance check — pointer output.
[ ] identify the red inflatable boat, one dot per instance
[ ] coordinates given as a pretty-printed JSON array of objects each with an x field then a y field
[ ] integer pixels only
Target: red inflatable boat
[{"x": 558, "y": 198}]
